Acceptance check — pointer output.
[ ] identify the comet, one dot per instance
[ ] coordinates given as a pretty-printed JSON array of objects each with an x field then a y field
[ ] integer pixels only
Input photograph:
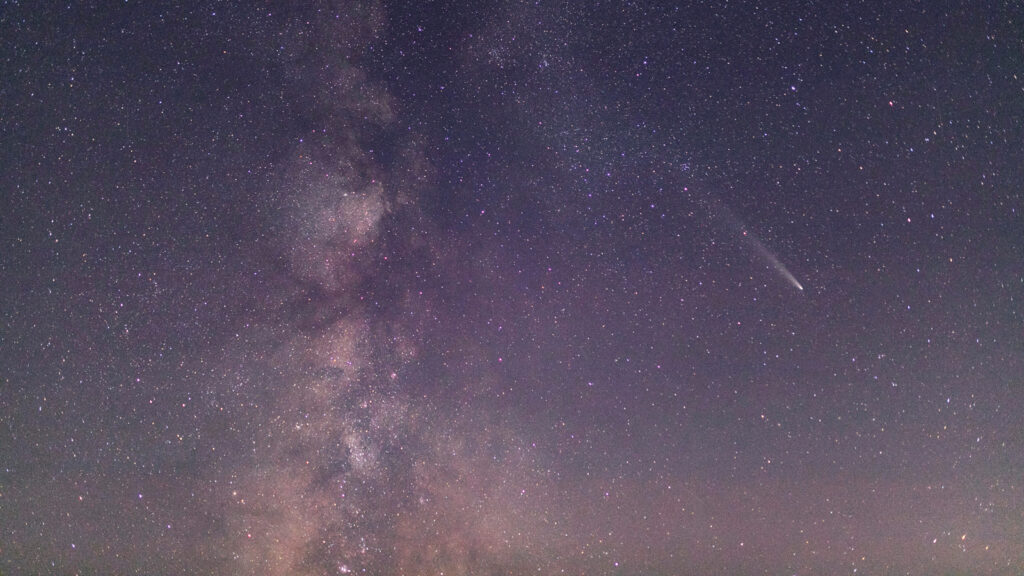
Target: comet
[
  {"x": 759, "y": 248},
  {"x": 766, "y": 255}
]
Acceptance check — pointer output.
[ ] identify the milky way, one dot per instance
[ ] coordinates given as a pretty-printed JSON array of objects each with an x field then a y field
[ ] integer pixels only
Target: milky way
[{"x": 407, "y": 288}]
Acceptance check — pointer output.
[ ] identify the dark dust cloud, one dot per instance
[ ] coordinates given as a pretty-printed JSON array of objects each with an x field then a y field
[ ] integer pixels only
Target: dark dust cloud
[{"x": 620, "y": 288}]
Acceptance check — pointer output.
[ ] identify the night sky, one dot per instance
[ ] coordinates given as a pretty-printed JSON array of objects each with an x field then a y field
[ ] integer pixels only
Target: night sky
[{"x": 507, "y": 287}]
